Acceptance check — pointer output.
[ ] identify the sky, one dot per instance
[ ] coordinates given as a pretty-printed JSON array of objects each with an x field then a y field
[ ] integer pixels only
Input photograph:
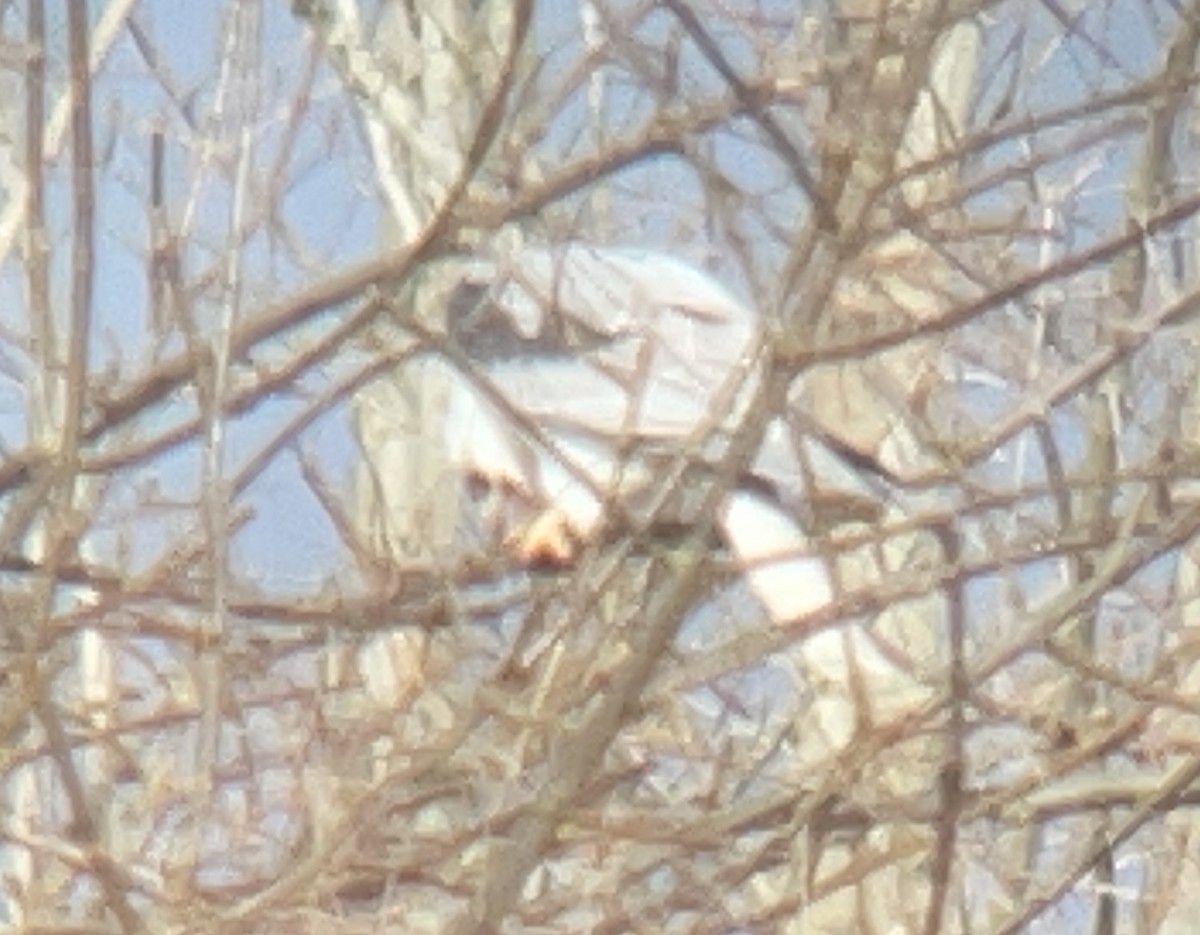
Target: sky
[
  {"x": 289, "y": 545},
  {"x": 332, "y": 211}
]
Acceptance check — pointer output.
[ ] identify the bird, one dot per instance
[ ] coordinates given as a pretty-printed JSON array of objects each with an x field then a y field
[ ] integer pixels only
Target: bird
[{"x": 586, "y": 372}]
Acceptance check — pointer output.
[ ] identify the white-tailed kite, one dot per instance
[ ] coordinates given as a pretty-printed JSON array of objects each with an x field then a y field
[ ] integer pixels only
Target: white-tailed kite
[{"x": 595, "y": 372}]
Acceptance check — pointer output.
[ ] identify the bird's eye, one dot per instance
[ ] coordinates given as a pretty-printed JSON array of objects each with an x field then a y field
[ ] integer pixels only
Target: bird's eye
[
  {"x": 477, "y": 325},
  {"x": 463, "y": 307}
]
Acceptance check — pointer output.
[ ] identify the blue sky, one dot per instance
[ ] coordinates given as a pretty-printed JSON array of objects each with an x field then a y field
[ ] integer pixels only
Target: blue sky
[{"x": 330, "y": 208}]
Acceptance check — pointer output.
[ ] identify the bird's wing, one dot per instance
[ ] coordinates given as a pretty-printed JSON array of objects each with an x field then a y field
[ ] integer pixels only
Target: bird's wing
[
  {"x": 663, "y": 333},
  {"x": 611, "y": 289},
  {"x": 584, "y": 356},
  {"x": 544, "y": 427},
  {"x": 788, "y": 577}
]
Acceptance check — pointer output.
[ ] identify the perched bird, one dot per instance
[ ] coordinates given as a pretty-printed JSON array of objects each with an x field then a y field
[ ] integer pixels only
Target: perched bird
[{"x": 593, "y": 374}]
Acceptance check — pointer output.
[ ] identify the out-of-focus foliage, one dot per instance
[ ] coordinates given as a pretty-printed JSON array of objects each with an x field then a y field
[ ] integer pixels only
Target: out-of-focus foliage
[{"x": 260, "y": 666}]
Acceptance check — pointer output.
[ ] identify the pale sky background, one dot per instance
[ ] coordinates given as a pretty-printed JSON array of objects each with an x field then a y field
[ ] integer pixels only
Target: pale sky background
[{"x": 290, "y": 546}]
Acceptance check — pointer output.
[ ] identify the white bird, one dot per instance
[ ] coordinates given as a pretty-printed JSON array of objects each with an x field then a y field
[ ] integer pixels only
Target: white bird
[{"x": 593, "y": 372}]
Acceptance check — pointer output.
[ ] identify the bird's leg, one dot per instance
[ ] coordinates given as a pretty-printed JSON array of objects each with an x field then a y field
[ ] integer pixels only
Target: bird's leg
[{"x": 547, "y": 541}]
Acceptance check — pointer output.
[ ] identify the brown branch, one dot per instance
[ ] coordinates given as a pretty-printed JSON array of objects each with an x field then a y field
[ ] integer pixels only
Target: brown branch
[
  {"x": 1174, "y": 790},
  {"x": 83, "y": 267},
  {"x": 756, "y": 107}
]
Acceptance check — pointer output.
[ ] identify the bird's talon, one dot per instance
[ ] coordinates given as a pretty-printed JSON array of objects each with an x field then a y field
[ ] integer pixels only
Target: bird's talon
[{"x": 546, "y": 542}]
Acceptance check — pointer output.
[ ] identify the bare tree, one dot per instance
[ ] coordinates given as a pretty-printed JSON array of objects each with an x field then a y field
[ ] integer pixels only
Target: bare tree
[{"x": 267, "y": 661}]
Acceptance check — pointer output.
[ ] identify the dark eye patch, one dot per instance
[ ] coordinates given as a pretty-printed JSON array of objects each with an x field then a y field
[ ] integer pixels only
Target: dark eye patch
[{"x": 485, "y": 332}]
